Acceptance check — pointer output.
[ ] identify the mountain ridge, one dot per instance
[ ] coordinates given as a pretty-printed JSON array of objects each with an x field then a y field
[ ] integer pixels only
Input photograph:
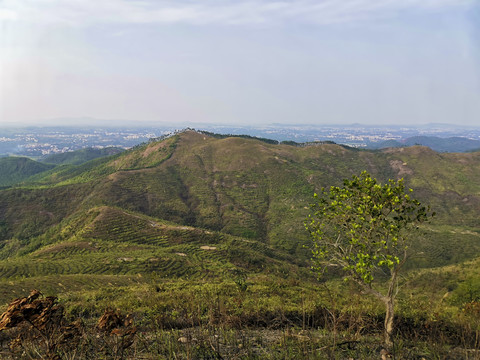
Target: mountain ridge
[
  {"x": 245, "y": 187},
  {"x": 450, "y": 144}
]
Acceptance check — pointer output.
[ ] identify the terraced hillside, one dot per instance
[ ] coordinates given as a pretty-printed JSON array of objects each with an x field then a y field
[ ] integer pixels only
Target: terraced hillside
[
  {"x": 202, "y": 207},
  {"x": 111, "y": 241}
]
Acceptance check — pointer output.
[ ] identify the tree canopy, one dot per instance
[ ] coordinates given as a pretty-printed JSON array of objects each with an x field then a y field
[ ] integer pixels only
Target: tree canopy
[{"x": 364, "y": 229}]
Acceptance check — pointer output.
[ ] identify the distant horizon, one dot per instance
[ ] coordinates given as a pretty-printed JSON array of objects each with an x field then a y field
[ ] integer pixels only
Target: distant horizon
[{"x": 110, "y": 123}]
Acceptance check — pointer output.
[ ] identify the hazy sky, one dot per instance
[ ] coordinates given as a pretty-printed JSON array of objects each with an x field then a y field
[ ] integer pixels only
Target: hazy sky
[{"x": 241, "y": 62}]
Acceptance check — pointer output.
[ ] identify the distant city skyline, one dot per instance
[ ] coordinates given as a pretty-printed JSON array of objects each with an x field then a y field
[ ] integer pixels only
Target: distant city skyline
[{"x": 253, "y": 62}]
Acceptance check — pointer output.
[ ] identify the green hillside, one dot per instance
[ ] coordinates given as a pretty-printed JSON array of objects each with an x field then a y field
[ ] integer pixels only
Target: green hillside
[
  {"x": 80, "y": 156},
  {"x": 242, "y": 187},
  {"x": 16, "y": 169},
  {"x": 111, "y": 241}
]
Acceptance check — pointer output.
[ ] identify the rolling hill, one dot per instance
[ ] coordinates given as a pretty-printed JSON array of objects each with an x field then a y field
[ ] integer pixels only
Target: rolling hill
[
  {"x": 451, "y": 144},
  {"x": 80, "y": 156},
  {"x": 16, "y": 169},
  {"x": 202, "y": 207}
]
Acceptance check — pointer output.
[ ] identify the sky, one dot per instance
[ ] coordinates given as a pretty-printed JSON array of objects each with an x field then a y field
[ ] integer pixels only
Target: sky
[{"x": 238, "y": 62}]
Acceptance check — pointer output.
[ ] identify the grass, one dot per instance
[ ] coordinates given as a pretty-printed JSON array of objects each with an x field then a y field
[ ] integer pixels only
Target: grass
[{"x": 286, "y": 319}]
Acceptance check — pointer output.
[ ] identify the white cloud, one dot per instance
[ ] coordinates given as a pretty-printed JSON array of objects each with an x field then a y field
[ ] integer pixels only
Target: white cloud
[{"x": 83, "y": 12}]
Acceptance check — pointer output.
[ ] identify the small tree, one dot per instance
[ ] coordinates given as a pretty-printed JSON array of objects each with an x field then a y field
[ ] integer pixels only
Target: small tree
[{"x": 363, "y": 228}]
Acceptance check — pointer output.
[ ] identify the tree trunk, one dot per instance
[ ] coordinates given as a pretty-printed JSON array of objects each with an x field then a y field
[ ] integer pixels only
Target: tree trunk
[{"x": 389, "y": 316}]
